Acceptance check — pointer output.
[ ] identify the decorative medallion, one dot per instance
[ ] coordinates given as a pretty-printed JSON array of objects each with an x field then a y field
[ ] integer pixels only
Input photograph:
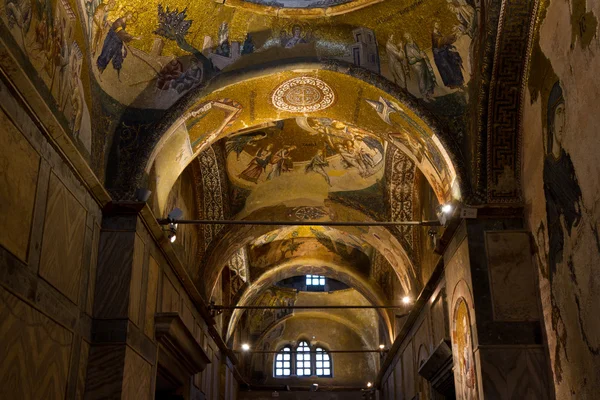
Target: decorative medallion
[{"x": 303, "y": 94}]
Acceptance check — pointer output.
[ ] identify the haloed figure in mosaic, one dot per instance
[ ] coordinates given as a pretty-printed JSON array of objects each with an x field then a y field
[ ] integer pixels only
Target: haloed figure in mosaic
[{"x": 563, "y": 195}]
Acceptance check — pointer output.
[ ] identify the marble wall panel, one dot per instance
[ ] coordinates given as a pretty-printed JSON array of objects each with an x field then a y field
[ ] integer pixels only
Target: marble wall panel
[
  {"x": 34, "y": 351},
  {"x": 114, "y": 266},
  {"x": 438, "y": 320},
  {"x": 170, "y": 296},
  {"x": 408, "y": 371},
  {"x": 82, "y": 369},
  {"x": 398, "y": 380},
  {"x": 137, "y": 376},
  {"x": 62, "y": 247},
  {"x": 104, "y": 377},
  {"x": 135, "y": 288},
  {"x": 19, "y": 163},
  {"x": 89, "y": 308},
  {"x": 512, "y": 281},
  {"x": 151, "y": 297},
  {"x": 513, "y": 372}
]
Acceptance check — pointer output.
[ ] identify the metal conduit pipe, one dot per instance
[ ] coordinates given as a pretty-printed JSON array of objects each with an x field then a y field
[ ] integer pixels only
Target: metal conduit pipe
[{"x": 167, "y": 221}]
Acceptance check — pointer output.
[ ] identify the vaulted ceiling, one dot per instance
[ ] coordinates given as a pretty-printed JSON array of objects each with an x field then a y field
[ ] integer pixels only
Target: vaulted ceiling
[{"x": 288, "y": 110}]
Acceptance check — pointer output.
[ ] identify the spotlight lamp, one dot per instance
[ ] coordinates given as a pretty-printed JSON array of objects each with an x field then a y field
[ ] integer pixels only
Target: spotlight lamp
[
  {"x": 369, "y": 384},
  {"x": 406, "y": 300},
  {"x": 444, "y": 212},
  {"x": 381, "y": 346},
  {"x": 172, "y": 235},
  {"x": 173, "y": 216},
  {"x": 245, "y": 346}
]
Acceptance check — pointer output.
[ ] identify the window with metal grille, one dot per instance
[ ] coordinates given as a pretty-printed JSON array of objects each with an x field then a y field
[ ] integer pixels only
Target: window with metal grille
[
  {"x": 283, "y": 362},
  {"x": 315, "y": 280},
  {"x": 322, "y": 362},
  {"x": 303, "y": 364}
]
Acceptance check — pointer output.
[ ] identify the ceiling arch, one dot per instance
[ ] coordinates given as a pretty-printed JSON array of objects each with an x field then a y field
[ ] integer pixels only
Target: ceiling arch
[
  {"x": 229, "y": 104},
  {"x": 367, "y": 288},
  {"x": 379, "y": 238}
]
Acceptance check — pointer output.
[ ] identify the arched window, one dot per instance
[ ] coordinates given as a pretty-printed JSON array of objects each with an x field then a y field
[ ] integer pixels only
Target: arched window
[
  {"x": 303, "y": 367},
  {"x": 302, "y": 361},
  {"x": 322, "y": 362},
  {"x": 283, "y": 362}
]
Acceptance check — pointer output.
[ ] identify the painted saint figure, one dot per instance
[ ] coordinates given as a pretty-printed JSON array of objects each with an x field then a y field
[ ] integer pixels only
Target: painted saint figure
[
  {"x": 563, "y": 194},
  {"x": 114, "y": 49},
  {"x": 397, "y": 62},
  {"x": 419, "y": 62},
  {"x": 446, "y": 57},
  {"x": 258, "y": 164},
  {"x": 318, "y": 164},
  {"x": 279, "y": 160}
]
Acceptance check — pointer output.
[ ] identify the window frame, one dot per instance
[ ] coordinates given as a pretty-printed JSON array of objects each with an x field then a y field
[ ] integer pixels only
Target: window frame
[
  {"x": 282, "y": 352},
  {"x": 312, "y": 352}
]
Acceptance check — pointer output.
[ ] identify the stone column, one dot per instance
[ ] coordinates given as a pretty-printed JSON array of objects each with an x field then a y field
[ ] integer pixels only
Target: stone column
[
  {"x": 494, "y": 310},
  {"x": 121, "y": 358}
]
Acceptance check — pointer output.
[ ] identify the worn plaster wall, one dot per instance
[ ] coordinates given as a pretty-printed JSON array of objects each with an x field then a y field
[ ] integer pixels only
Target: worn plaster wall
[{"x": 560, "y": 168}]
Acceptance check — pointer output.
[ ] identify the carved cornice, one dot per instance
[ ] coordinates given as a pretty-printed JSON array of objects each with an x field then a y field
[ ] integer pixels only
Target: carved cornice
[{"x": 177, "y": 343}]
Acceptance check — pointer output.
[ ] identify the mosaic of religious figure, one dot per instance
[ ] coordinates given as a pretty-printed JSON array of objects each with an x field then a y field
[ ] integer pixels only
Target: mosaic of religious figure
[
  {"x": 462, "y": 351},
  {"x": 100, "y": 25},
  {"x": 45, "y": 31},
  {"x": 465, "y": 14},
  {"x": 420, "y": 67},
  {"x": 280, "y": 162},
  {"x": 258, "y": 164},
  {"x": 296, "y": 38},
  {"x": 114, "y": 49},
  {"x": 563, "y": 195},
  {"x": 317, "y": 164},
  {"x": 19, "y": 13},
  {"x": 446, "y": 57},
  {"x": 332, "y": 149},
  {"x": 397, "y": 62},
  {"x": 224, "y": 47}
]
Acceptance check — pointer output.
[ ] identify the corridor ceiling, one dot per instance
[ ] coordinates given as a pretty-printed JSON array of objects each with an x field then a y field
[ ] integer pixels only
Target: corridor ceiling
[{"x": 291, "y": 110}]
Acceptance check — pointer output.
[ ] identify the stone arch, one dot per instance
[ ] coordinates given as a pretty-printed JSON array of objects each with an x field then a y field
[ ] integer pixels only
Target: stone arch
[
  {"x": 298, "y": 267},
  {"x": 383, "y": 108}
]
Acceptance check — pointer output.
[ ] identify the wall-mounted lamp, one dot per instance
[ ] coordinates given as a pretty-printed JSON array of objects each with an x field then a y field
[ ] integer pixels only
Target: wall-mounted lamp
[
  {"x": 369, "y": 384},
  {"x": 245, "y": 346},
  {"x": 173, "y": 216},
  {"x": 444, "y": 212},
  {"x": 381, "y": 346},
  {"x": 406, "y": 300},
  {"x": 172, "y": 235}
]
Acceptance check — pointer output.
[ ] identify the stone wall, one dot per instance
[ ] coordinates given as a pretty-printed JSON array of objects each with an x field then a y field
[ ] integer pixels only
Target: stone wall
[
  {"x": 561, "y": 146},
  {"x": 78, "y": 290},
  {"x": 48, "y": 249}
]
